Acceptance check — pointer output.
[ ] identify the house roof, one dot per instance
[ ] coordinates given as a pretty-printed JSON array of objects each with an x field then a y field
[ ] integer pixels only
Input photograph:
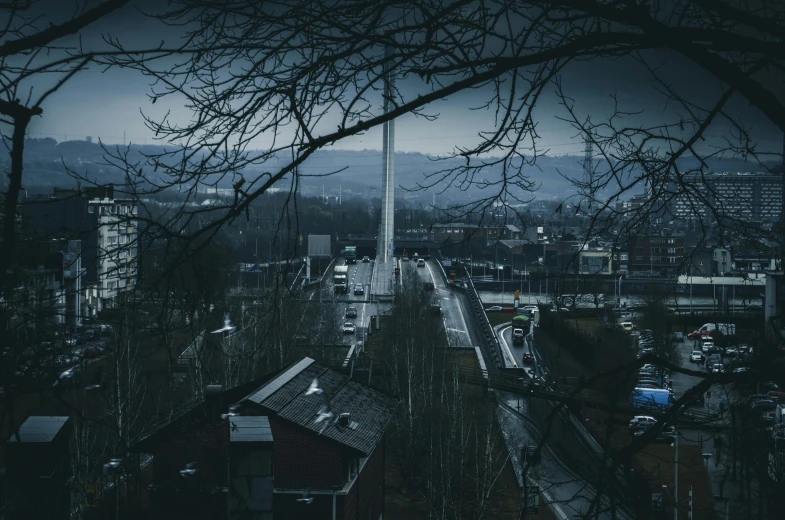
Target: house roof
[
  {"x": 370, "y": 411},
  {"x": 192, "y": 414},
  {"x": 39, "y": 428}
]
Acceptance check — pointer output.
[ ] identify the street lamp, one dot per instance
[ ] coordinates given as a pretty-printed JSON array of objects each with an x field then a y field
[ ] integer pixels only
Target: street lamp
[{"x": 676, "y": 474}]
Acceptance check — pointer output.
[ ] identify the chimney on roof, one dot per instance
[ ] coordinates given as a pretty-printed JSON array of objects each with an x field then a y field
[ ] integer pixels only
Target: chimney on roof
[
  {"x": 343, "y": 420},
  {"x": 212, "y": 399}
]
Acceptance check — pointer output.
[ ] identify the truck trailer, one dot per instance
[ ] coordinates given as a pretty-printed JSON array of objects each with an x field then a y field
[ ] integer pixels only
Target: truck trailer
[
  {"x": 341, "y": 278},
  {"x": 350, "y": 254}
]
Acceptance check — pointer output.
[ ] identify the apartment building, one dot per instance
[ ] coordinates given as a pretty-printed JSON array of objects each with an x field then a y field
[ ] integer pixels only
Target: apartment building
[
  {"x": 663, "y": 253},
  {"x": 748, "y": 197},
  {"x": 101, "y": 229}
]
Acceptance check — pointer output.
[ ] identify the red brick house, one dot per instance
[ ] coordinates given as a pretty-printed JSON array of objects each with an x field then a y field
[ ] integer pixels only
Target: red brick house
[{"x": 283, "y": 464}]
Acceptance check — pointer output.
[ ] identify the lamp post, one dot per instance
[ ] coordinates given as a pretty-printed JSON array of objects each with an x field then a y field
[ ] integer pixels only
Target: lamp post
[{"x": 676, "y": 475}]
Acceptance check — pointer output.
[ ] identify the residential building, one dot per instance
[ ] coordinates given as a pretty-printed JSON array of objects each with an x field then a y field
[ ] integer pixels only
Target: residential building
[
  {"x": 275, "y": 450},
  {"x": 662, "y": 253},
  {"x": 101, "y": 236},
  {"x": 621, "y": 261},
  {"x": 748, "y": 197}
]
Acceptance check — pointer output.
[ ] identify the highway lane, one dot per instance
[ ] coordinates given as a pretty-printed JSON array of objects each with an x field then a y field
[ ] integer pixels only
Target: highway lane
[{"x": 454, "y": 312}]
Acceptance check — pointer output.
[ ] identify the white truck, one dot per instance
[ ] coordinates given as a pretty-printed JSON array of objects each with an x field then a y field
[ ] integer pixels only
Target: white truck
[
  {"x": 341, "y": 278},
  {"x": 728, "y": 329}
]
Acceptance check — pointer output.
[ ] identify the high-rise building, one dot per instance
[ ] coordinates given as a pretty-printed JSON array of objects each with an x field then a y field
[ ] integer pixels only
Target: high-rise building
[
  {"x": 746, "y": 197},
  {"x": 106, "y": 235}
]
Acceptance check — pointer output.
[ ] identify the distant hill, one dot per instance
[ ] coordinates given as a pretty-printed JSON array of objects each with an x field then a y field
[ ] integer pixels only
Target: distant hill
[{"x": 354, "y": 171}]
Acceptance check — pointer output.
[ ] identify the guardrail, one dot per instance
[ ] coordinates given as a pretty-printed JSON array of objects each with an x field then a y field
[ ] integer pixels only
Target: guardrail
[{"x": 492, "y": 342}]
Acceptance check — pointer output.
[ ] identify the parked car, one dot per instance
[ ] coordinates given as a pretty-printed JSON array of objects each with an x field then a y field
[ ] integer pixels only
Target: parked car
[
  {"x": 495, "y": 308},
  {"x": 366, "y": 259},
  {"x": 92, "y": 351},
  {"x": 348, "y": 328},
  {"x": 639, "y": 420},
  {"x": 696, "y": 356},
  {"x": 358, "y": 289},
  {"x": 763, "y": 405},
  {"x": 528, "y": 358},
  {"x": 351, "y": 312},
  {"x": 731, "y": 351}
]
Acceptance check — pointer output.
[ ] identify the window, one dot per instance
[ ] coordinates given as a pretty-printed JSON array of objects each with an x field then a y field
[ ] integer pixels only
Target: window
[
  {"x": 639, "y": 258},
  {"x": 123, "y": 239},
  {"x": 91, "y": 209},
  {"x": 111, "y": 285},
  {"x": 671, "y": 240},
  {"x": 112, "y": 240},
  {"x": 672, "y": 250},
  {"x": 623, "y": 257}
]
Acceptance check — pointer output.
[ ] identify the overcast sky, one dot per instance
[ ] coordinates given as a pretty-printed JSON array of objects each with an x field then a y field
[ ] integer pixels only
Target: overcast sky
[{"x": 107, "y": 105}]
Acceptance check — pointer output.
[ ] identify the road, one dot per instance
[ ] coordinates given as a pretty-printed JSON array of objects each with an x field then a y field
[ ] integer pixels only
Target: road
[
  {"x": 517, "y": 351},
  {"x": 454, "y": 311},
  {"x": 359, "y": 274}
]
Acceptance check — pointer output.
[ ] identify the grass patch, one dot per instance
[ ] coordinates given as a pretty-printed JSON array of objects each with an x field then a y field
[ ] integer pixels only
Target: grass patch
[{"x": 498, "y": 318}]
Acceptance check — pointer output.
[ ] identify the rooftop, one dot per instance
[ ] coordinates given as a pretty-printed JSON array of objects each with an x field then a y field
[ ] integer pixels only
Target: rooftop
[
  {"x": 370, "y": 410},
  {"x": 39, "y": 428}
]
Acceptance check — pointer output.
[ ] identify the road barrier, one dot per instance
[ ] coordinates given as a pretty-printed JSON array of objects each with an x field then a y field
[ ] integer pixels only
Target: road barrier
[{"x": 491, "y": 341}]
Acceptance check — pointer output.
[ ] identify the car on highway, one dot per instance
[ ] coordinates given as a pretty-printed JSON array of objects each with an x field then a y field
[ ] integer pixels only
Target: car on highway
[
  {"x": 404, "y": 259},
  {"x": 420, "y": 263},
  {"x": 429, "y": 286},
  {"x": 436, "y": 309},
  {"x": 754, "y": 307},
  {"x": 348, "y": 328},
  {"x": 731, "y": 351},
  {"x": 717, "y": 368},
  {"x": 678, "y": 336},
  {"x": 528, "y": 358},
  {"x": 517, "y": 336},
  {"x": 640, "y": 420},
  {"x": 696, "y": 356},
  {"x": 495, "y": 308},
  {"x": 699, "y": 334},
  {"x": 366, "y": 259},
  {"x": 358, "y": 289},
  {"x": 351, "y": 312},
  {"x": 706, "y": 346}
]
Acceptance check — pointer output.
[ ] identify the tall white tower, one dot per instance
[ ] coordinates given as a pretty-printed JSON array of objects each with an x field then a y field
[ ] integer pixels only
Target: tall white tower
[{"x": 387, "y": 231}]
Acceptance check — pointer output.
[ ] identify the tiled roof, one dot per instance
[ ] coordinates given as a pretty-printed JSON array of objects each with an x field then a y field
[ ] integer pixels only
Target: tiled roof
[{"x": 370, "y": 410}]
